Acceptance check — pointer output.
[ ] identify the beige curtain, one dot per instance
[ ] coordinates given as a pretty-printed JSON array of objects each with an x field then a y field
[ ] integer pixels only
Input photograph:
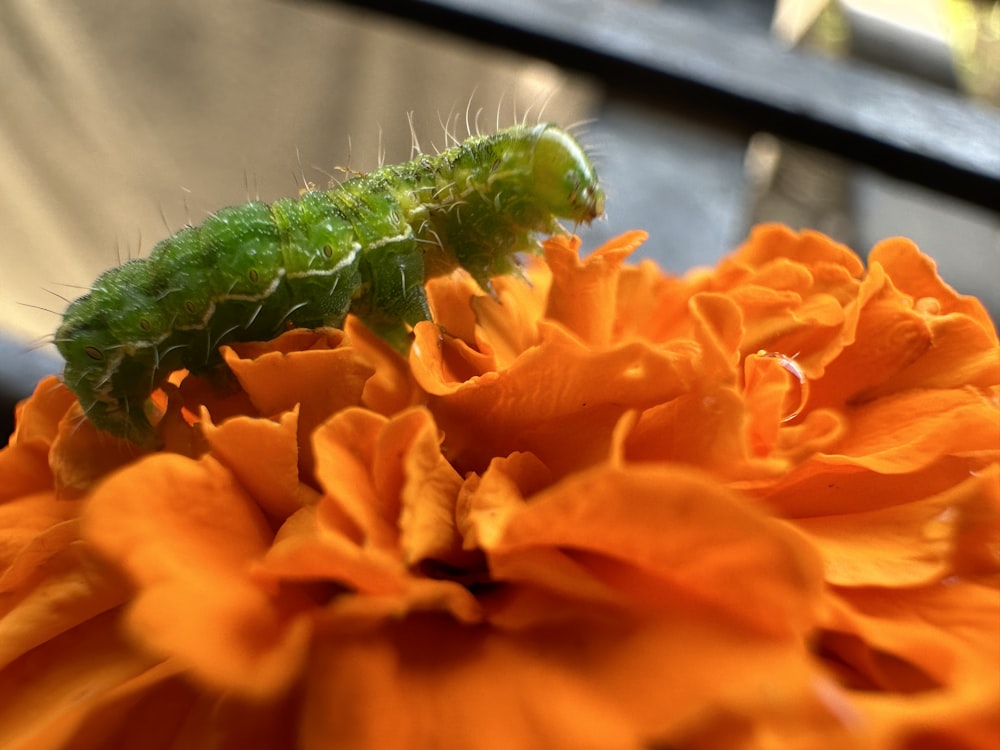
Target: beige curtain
[{"x": 121, "y": 120}]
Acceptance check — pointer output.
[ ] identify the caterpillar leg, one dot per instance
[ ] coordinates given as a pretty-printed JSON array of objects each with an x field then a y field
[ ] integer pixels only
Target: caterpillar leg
[
  {"x": 392, "y": 290},
  {"x": 125, "y": 418}
]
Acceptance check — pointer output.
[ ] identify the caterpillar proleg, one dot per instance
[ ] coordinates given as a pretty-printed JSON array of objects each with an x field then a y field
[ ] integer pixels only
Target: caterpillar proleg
[{"x": 367, "y": 246}]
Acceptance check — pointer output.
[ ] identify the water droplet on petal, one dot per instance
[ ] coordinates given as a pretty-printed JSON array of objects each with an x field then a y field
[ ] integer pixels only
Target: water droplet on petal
[{"x": 793, "y": 369}]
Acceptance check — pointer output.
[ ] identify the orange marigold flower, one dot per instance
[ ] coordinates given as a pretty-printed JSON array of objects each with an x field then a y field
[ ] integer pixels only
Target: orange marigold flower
[{"x": 754, "y": 506}]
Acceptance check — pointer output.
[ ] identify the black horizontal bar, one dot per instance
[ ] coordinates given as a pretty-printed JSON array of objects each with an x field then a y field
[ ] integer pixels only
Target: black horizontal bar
[{"x": 678, "y": 57}]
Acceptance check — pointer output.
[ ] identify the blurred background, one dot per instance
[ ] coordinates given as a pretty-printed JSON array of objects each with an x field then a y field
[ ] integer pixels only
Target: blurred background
[{"x": 123, "y": 120}]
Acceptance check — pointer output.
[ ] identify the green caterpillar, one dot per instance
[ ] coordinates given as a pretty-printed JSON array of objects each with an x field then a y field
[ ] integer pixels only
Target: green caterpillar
[{"x": 367, "y": 246}]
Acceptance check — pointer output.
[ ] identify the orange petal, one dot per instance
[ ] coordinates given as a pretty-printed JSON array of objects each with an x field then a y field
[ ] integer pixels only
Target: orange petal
[
  {"x": 883, "y": 336},
  {"x": 187, "y": 516},
  {"x": 320, "y": 379},
  {"x": 718, "y": 329},
  {"x": 81, "y": 454},
  {"x": 911, "y": 430},
  {"x": 943, "y": 634},
  {"x": 909, "y": 544},
  {"x": 652, "y": 305},
  {"x": 223, "y": 399},
  {"x": 25, "y": 470},
  {"x": 307, "y": 549},
  {"x": 246, "y": 446},
  {"x": 962, "y": 718},
  {"x": 24, "y": 518},
  {"x": 499, "y": 326},
  {"x": 819, "y": 431},
  {"x": 805, "y": 324},
  {"x": 916, "y": 274},
  {"x": 444, "y": 597},
  {"x": 558, "y": 388},
  {"x": 962, "y": 353},
  {"x": 49, "y": 582},
  {"x": 964, "y": 347},
  {"x": 390, "y": 479},
  {"x": 187, "y": 537},
  {"x": 658, "y": 535},
  {"x": 584, "y": 293},
  {"x": 450, "y": 299},
  {"x": 508, "y": 325},
  {"x": 361, "y": 478},
  {"x": 451, "y": 687},
  {"x": 587, "y": 684},
  {"x": 39, "y": 415},
  {"x": 390, "y": 388},
  {"x": 770, "y": 241},
  {"x": 64, "y": 692},
  {"x": 703, "y": 428},
  {"x": 487, "y": 502},
  {"x": 794, "y": 291},
  {"x": 376, "y": 586},
  {"x": 976, "y": 554},
  {"x": 428, "y": 498},
  {"x": 818, "y": 487}
]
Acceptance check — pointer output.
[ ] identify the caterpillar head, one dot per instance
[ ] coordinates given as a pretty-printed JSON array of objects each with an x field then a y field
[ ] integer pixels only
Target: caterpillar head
[
  {"x": 563, "y": 178},
  {"x": 108, "y": 384},
  {"x": 516, "y": 185}
]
